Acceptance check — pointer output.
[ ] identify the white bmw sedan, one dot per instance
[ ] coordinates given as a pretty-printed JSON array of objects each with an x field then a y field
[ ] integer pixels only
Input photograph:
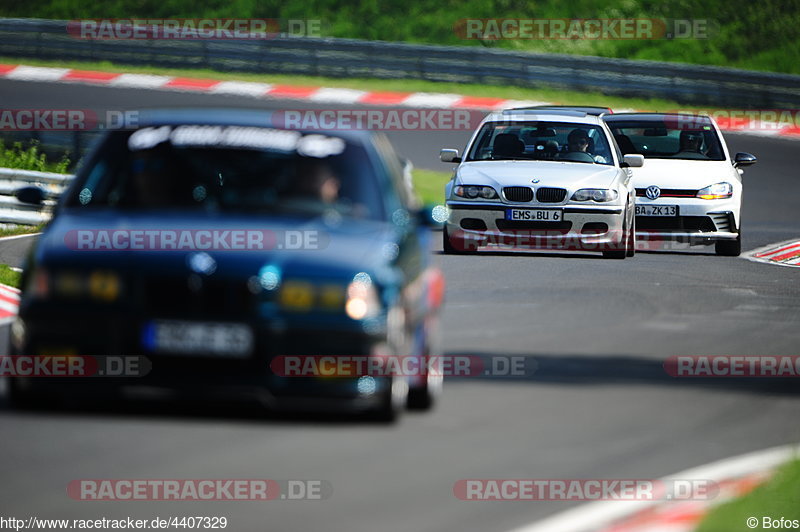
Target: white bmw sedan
[
  {"x": 691, "y": 189},
  {"x": 541, "y": 179}
]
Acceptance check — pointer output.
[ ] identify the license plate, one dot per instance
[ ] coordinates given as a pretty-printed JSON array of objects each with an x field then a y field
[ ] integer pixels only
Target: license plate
[
  {"x": 656, "y": 210},
  {"x": 225, "y": 340},
  {"x": 534, "y": 215}
]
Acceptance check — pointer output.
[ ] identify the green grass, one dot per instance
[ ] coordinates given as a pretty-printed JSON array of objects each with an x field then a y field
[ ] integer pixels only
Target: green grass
[
  {"x": 30, "y": 158},
  {"x": 429, "y": 185},
  {"x": 779, "y": 497},
  {"x": 762, "y": 35},
  {"x": 21, "y": 230},
  {"x": 371, "y": 84},
  {"x": 9, "y": 276}
]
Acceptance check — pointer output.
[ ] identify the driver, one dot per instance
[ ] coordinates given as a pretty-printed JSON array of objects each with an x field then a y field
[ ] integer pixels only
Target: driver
[
  {"x": 691, "y": 143},
  {"x": 315, "y": 180},
  {"x": 578, "y": 142}
]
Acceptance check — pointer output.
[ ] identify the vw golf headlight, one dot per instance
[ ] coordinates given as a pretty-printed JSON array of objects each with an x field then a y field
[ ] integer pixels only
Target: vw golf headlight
[
  {"x": 475, "y": 191},
  {"x": 717, "y": 191},
  {"x": 600, "y": 195}
]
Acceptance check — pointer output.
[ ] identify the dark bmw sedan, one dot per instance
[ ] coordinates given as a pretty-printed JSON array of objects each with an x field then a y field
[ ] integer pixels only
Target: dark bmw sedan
[{"x": 217, "y": 247}]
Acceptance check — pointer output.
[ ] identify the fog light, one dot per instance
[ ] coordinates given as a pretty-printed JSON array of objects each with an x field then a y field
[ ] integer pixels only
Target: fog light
[{"x": 366, "y": 385}]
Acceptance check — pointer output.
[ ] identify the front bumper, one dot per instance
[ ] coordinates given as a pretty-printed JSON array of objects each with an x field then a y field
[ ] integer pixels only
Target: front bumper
[
  {"x": 96, "y": 334},
  {"x": 581, "y": 227},
  {"x": 697, "y": 221}
]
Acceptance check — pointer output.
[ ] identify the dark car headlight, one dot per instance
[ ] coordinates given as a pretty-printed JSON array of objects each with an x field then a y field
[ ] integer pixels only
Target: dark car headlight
[{"x": 475, "y": 191}]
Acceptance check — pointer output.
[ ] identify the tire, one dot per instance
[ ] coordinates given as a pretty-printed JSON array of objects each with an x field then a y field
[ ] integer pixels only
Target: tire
[
  {"x": 620, "y": 254},
  {"x": 393, "y": 402},
  {"x": 631, "y": 248},
  {"x": 424, "y": 397},
  {"x": 448, "y": 248},
  {"x": 729, "y": 248},
  {"x": 22, "y": 398}
]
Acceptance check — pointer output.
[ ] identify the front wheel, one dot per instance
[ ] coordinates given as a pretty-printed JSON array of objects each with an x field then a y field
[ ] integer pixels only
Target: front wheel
[
  {"x": 21, "y": 397},
  {"x": 449, "y": 249},
  {"x": 627, "y": 243},
  {"x": 392, "y": 403},
  {"x": 729, "y": 248},
  {"x": 631, "y": 246}
]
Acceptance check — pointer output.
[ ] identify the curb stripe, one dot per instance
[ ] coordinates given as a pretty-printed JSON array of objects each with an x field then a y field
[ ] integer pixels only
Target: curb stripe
[
  {"x": 384, "y": 98},
  {"x": 291, "y": 91},
  {"x": 779, "y": 250},
  {"x": 604, "y": 515},
  {"x": 244, "y": 88},
  {"x": 785, "y": 253},
  {"x": 478, "y": 102},
  {"x": 191, "y": 83},
  {"x": 144, "y": 81},
  {"x": 89, "y": 76}
]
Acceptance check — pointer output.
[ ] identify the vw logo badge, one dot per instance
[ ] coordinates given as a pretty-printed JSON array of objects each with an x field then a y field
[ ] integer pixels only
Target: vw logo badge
[
  {"x": 202, "y": 262},
  {"x": 652, "y": 192}
]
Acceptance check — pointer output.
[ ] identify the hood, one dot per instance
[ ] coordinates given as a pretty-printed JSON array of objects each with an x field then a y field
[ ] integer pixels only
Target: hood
[
  {"x": 675, "y": 173},
  {"x": 300, "y": 247},
  {"x": 569, "y": 175}
]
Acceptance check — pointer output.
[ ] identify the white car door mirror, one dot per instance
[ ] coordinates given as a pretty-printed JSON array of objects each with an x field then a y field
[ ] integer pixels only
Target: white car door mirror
[
  {"x": 449, "y": 156},
  {"x": 633, "y": 160}
]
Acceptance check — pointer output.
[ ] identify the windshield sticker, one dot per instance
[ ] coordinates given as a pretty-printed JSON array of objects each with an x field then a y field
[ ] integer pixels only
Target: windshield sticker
[{"x": 318, "y": 146}]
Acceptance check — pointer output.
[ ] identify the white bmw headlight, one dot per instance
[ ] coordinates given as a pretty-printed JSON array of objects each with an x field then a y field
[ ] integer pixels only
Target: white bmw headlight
[
  {"x": 475, "y": 191},
  {"x": 717, "y": 191},
  {"x": 600, "y": 195}
]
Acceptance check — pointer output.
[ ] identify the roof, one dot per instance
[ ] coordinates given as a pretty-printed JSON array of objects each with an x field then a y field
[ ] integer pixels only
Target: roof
[
  {"x": 234, "y": 117},
  {"x": 595, "y": 110},
  {"x": 542, "y": 115},
  {"x": 653, "y": 117}
]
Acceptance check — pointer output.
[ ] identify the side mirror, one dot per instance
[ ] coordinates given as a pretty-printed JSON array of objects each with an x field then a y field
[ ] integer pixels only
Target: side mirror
[
  {"x": 632, "y": 160},
  {"x": 744, "y": 159},
  {"x": 31, "y": 195},
  {"x": 449, "y": 156}
]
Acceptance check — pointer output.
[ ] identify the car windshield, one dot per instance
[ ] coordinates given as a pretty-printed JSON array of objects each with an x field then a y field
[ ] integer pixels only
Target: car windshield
[
  {"x": 230, "y": 169},
  {"x": 556, "y": 141},
  {"x": 668, "y": 139}
]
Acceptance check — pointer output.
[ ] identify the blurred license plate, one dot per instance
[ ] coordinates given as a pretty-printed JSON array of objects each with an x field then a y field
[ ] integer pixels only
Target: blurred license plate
[
  {"x": 656, "y": 210},
  {"x": 534, "y": 215},
  {"x": 226, "y": 340}
]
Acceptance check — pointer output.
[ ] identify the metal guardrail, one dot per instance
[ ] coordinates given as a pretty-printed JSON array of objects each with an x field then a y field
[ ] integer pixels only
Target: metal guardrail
[
  {"x": 688, "y": 84},
  {"x": 14, "y": 211}
]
